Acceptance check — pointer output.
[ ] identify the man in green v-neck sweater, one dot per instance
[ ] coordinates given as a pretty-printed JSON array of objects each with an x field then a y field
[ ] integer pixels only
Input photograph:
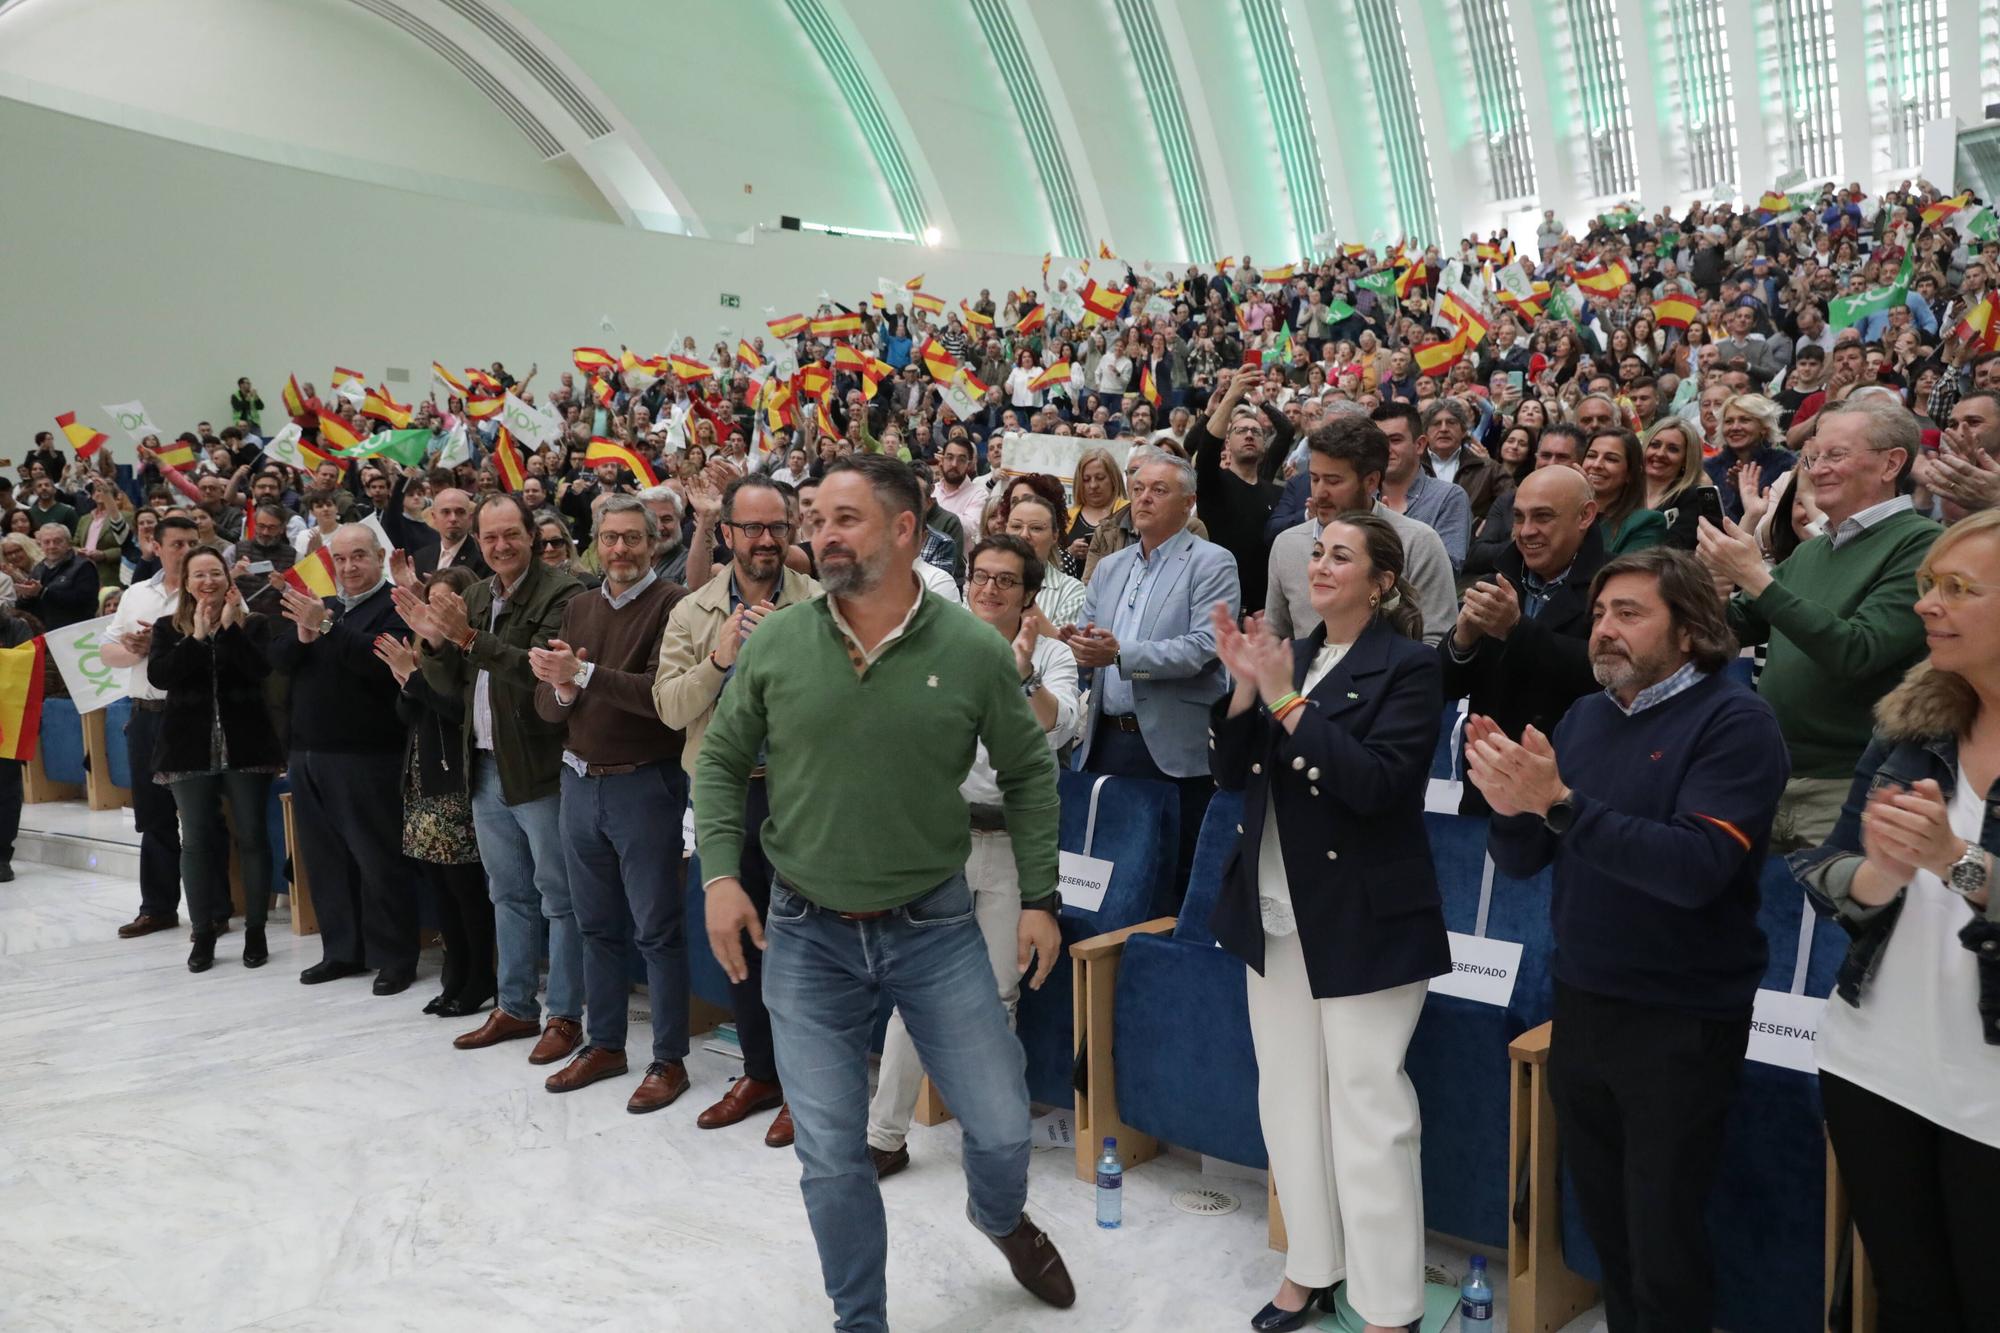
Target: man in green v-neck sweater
[{"x": 868, "y": 705}]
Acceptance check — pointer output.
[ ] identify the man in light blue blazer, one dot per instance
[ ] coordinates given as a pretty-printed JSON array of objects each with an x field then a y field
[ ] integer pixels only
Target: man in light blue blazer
[{"x": 1145, "y": 632}]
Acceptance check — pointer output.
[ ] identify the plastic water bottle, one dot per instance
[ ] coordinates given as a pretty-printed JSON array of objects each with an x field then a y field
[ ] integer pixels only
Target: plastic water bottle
[
  {"x": 1110, "y": 1187},
  {"x": 1475, "y": 1298}
]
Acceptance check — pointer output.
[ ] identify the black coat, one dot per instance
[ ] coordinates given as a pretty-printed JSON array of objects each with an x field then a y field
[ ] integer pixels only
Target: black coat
[
  {"x": 343, "y": 697},
  {"x": 434, "y": 755},
  {"x": 69, "y": 592},
  {"x": 1348, "y": 786},
  {"x": 1543, "y": 665},
  {"x": 222, "y": 675}
]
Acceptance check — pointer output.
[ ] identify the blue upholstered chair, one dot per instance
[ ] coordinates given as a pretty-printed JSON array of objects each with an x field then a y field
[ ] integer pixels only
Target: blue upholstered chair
[
  {"x": 61, "y": 746},
  {"x": 118, "y": 755}
]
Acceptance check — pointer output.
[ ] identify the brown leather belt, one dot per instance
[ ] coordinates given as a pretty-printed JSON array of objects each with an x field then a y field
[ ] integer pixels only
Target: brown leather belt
[
  {"x": 1121, "y": 721},
  {"x": 150, "y": 705},
  {"x": 864, "y": 916}
]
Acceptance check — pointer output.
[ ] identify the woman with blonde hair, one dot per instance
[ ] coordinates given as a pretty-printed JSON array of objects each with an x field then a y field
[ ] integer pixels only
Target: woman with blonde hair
[
  {"x": 1909, "y": 1046},
  {"x": 1753, "y": 440},
  {"x": 1097, "y": 492},
  {"x": 1671, "y": 453}
]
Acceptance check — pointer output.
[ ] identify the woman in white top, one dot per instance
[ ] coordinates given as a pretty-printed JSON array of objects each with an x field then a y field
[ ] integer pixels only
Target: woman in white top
[
  {"x": 1038, "y": 522},
  {"x": 1021, "y": 379},
  {"x": 1114, "y": 369},
  {"x": 1000, "y": 590},
  {"x": 1909, "y": 1048}
]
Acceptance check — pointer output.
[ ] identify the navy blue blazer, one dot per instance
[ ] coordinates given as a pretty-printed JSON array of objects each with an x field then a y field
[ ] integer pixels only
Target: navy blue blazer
[{"x": 1347, "y": 785}]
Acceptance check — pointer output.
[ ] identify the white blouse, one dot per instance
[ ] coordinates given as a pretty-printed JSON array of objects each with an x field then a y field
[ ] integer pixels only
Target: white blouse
[{"x": 1274, "y": 889}]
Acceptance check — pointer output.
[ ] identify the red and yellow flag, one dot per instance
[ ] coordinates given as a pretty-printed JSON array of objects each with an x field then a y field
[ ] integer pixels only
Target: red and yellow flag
[
  {"x": 1463, "y": 316},
  {"x": 1436, "y": 358},
  {"x": 380, "y": 406},
  {"x": 1775, "y": 201},
  {"x": 1675, "y": 311},
  {"x": 1147, "y": 388},
  {"x": 81, "y": 438},
  {"x": 507, "y": 458},
  {"x": 926, "y": 302},
  {"x": 21, "y": 673},
  {"x": 849, "y": 358},
  {"x": 446, "y": 378},
  {"x": 1944, "y": 208},
  {"x": 746, "y": 355},
  {"x": 1603, "y": 279},
  {"x": 295, "y": 401},
  {"x": 313, "y": 574},
  {"x": 1033, "y": 320},
  {"x": 1981, "y": 325},
  {"x": 914, "y": 284},
  {"x": 1103, "y": 302},
  {"x": 1410, "y": 279},
  {"x": 335, "y": 433},
  {"x": 1224, "y": 264},
  {"x": 975, "y": 317},
  {"x": 1053, "y": 378},
  {"x": 874, "y": 373},
  {"x": 480, "y": 408},
  {"x": 790, "y": 326},
  {"x": 179, "y": 454},
  {"x": 602, "y": 450},
  {"x": 590, "y": 360},
  {"x": 690, "y": 369},
  {"x": 480, "y": 379},
  {"x": 342, "y": 375},
  {"x": 1104, "y": 250},
  {"x": 1285, "y": 274},
  {"x": 814, "y": 380},
  {"x": 940, "y": 363},
  {"x": 835, "y": 326},
  {"x": 879, "y": 301}
]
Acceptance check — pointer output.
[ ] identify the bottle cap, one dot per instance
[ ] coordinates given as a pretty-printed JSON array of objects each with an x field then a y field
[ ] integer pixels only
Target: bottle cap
[
  {"x": 1479, "y": 1261},
  {"x": 1111, "y": 1143}
]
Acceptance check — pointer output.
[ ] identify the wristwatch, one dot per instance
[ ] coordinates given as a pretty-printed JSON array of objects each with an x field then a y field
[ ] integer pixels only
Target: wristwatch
[
  {"x": 1970, "y": 872},
  {"x": 1031, "y": 682},
  {"x": 1051, "y": 904},
  {"x": 1561, "y": 815}
]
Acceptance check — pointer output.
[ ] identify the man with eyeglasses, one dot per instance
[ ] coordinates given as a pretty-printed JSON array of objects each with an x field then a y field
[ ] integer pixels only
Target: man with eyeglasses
[
  {"x": 1838, "y": 614},
  {"x": 697, "y": 661}
]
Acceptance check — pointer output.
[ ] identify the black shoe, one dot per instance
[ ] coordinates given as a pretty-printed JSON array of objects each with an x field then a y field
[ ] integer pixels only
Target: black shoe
[
  {"x": 6, "y": 872},
  {"x": 256, "y": 952},
  {"x": 394, "y": 980},
  {"x": 437, "y": 1002},
  {"x": 202, "y": 956},
  {"x": 222, "y": 925},
  {"x": 463, "y": 1005},
  {"x": 1271, "y": 1319},
  {"x": 329, "y": 969}
]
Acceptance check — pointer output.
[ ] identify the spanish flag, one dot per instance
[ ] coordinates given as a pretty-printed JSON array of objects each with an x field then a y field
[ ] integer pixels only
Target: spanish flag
[
  {"x": 822, "y": 420},
  {"x": 1104, "y": 250},
  {"x": 1048, "y": 257},
  {"x": 1353, "y": 251},
  {"x": 1410, "y": 279},
  {"x": 1147, "y": 388},
  {"x": 82, "y": 438},
  {"x": 479, "y": 408},
  {"x": 295, "y": 402},
  {"x": 451, "y": 382},
  {"x": 849, "y": 358},
  {"x": 788, "y": 327},
  {"x": 1775, "y": 201},
  {"x": 874, "y": 373},
  {"x": 690, "y": 369},
  {"x": 879, "y": 301},
  {"x": 1981, "y": 326},
  {"x": 479, "y": 379},
  {"x": 1463, "y": 317},
  {"x": 835, "y": 326},
  {"x": 590, "y": 360},
  {"x": 914, "y": 284},
  {"x": 1033, "y": 320},
  {"x": 342, "y": 375},
  {"x": 1284, "y": 274},
  {"x": 178, "y": 455},
  {"x": 380, "y": 406},
  {"x": 926, "y": 302},
  {"x": 1675, "y": 311},
  {"x": 1438, "y": 357},
  {"x": 814, "y": 380},
  {"x": 1604, "y": 279},
  {"x": 974, "y": 317},
  {"x": 1103, "y": 302},
  {"x": 1944, "y": 208},
  {"x": 313, "y": 574},
  {"x": 21, "y": 672},
  {"x": 513, "y": 475},
  {"x": 940, "y": 364},
  {"x": 602, "y": 450},
  {"x": 746, "y": 356},
  {"x": 1224, "y": 264},
  {"x": 334, "y": 433},
  {"x": 1054, "y": 377}
]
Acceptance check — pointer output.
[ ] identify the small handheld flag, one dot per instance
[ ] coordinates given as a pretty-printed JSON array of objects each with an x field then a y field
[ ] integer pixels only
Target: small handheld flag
[
  {"x": 313, "y": 574},
  {"x": 602, "y": 450},
  {"x": 513, "y": 474},
  {"x": 82, "y": 438},
  {"x": 21, "y": 674}
]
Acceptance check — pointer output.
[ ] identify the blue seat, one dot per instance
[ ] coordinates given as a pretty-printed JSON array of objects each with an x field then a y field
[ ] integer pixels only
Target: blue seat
[
  {"x": 61, "y": 744},
  {"x": 1766, "y": 1217},
  {"x": 119, "y": 756}
]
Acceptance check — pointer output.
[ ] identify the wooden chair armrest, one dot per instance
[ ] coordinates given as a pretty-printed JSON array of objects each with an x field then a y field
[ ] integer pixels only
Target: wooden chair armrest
[
  {"x": 1111, "y": 941},
  {"x": 1532, "y": 1046}
]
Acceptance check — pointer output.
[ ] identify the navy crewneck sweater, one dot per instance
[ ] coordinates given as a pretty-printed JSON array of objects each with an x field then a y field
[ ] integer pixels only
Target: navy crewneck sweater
[{"x": 1656, "y": 880}]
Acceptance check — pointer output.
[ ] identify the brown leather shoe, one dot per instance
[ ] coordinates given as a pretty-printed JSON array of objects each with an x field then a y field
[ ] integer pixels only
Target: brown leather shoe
[
  {"x": 665, "y": 1081},
  {"x": 592, "y": 1064},
  {"x": 143, "y": 924},
  {"x": 779, "y": 1135},
  {"x": 889, "y": 1163},
  {"x": 499, "y": 1026},
  {"x": 1036, "y": 1264},
  {"x": 559, "y": 1038},
  {"x": 746, "y": 1097}
]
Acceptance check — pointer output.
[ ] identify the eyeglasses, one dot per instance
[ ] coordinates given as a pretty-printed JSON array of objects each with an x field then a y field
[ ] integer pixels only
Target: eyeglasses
[
  {"x": 756, "y": 531},
  {"x": 553, "y": 543},
  {"x": 1833, "y": 457},
  {"x": 979, "y": 578},
  {"x": 632, "y": 539},
  {"x": 1950, "y": 588}
]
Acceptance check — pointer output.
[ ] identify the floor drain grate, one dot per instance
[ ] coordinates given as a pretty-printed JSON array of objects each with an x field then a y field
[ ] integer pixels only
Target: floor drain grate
[{"x": 1206, "y": 1203}]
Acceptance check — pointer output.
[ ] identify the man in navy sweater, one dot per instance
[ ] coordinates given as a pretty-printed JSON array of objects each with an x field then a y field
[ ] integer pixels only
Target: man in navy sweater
[{"x": 1655, "y": 805}]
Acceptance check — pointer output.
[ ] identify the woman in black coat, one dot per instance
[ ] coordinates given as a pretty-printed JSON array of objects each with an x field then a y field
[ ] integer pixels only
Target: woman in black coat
[
  {"x": 216, "y": 745},
  {"x": 1332, "y": 901}
]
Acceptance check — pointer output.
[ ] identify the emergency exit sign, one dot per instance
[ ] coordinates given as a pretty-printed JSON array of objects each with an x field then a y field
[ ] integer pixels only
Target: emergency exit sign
[{"x": 731, "y": 300}]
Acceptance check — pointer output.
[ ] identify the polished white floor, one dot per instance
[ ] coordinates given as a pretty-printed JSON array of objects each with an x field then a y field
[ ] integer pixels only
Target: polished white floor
[{"x": 234, "y": 1150}]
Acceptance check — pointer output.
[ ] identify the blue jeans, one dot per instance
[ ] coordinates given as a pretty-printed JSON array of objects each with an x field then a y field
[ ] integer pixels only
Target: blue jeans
[
  {"x": 622, "y": 834},
  {"x": 527, "y": 877},
  {"x": 824, "y": 979}
]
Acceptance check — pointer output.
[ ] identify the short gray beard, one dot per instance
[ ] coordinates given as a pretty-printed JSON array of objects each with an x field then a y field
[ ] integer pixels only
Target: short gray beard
[
  {"x": 851, "y": 579},
  {"x": 1629, "y": 673}
]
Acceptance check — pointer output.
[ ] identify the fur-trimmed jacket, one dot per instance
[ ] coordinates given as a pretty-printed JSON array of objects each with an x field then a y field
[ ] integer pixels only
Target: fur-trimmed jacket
[{"x": 1917, "y": 731}]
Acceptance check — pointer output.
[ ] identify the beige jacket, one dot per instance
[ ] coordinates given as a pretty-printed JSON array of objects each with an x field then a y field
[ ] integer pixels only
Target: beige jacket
[{"x": 689, "y": 682}]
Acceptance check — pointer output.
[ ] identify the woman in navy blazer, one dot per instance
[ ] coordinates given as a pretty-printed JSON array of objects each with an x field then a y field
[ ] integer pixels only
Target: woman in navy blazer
[{"x": 1332, "y": 901}]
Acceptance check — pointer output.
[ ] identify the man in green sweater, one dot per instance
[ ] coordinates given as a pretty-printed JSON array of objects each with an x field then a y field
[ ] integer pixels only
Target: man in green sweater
[
  {"x": 1839, "y": 614},
  {"x": 868, "y": 705}
]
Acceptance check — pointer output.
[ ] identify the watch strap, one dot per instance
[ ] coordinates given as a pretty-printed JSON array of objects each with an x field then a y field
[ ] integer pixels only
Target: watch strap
[{"x": 1051, "y": 904}]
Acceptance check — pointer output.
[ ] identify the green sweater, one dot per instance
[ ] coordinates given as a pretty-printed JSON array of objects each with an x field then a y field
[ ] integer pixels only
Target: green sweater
[
  {"x": 1842, "y": 628},
  {"x": 863, "y": 768}
]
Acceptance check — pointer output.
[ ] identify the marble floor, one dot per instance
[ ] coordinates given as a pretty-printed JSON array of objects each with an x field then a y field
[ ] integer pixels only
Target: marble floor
[{"x": 236, "y": 1151}]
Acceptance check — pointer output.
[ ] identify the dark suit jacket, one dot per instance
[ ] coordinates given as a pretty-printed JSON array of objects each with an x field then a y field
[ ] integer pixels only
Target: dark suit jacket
[
  {"x": 68, "y": 595},
  {"x": 1543, "y": 665},
  {"x": 424, "y": 559},
  {"x": 1347, "y": 787}
]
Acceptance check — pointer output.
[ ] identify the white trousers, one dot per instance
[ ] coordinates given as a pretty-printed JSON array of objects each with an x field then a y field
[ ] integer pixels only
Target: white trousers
[
  {"x": 1342, "y": 1128},
  {"x": 996, "y": 906}
]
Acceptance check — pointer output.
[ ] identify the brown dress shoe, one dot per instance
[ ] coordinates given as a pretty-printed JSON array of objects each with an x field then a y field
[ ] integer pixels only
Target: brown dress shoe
[
  {"x": 746, "y": 1097},
  {"x": 779, "y": 1135},
  {"x": 889, "y": 1163},
  {"x": 592, "y": 1064},
  {"x": 143, "y": 924},
  {"x": 559, "y": 1038},
  {"x": 1036, "y": 1264},
  {"x": 499, "y": 1026},
  {"x": 665, "y": 1081}
]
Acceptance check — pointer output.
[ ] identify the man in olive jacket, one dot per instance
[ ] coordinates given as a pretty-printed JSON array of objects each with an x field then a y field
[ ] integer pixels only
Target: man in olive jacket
[{"x": 477, "y": 647}]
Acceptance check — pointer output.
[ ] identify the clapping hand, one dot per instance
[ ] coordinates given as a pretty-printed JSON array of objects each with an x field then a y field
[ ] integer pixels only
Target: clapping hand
[
  {"x": 1515, "y": 778},
  {"x": 1092, "y": 647},
  {"x": 304, "y": 610},
  {"x": 1490, "y": 610},
  {"x": 448, "y": 613},
  {"x": 1254, "y": 656},
  {"x": 1909, "y": 829},
  {"x": 416, "y": 613},
  {"x": 401, "y": 571},
  {"x": 398, "y": 656},
  {"x": 1731, "y": 552},
  {"x": 556, "y": 664},
  {"x": 233, "y": 610},
  {"x": 1024, "y": 642},
  {"x": 1969, "y": 477}
]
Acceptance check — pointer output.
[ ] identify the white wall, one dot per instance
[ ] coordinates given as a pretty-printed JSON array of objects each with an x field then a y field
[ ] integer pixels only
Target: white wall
[{"x": 239, "y": 267}]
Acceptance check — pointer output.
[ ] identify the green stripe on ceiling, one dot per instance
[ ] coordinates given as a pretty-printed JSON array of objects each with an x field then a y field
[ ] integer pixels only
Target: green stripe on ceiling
[
  {"x": 1402, "y": 127},
  {"x": 1170, "y": 124},
  {"x": 1298, "y": 148},
  {"x": 1024, "y": 88},
  {"x": 867, "y": 113}
]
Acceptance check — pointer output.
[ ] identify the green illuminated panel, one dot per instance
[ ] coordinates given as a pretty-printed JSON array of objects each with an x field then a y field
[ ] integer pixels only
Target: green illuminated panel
[
  {"x": 867, "y": 113},
  {"x": 1170, "y": 123}
]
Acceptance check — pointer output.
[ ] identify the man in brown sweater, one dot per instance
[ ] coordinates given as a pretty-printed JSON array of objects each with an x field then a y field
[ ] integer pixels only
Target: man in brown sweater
[{"x": 622, "y": 796}]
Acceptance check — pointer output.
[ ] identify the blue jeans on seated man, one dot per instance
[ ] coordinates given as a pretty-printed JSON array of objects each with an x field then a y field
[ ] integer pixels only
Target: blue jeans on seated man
[
  {"x": 622, "y": 834},
  {"x": 527, "y": 876},
  {"x": 824, "y": 977}
]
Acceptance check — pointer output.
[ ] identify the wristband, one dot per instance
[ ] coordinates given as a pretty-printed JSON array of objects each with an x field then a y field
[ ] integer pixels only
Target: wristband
[
  {"x": 465, "y": 644},
  {"x": 1279, "y": 714},
  {"x": 1279, "y": 704}
]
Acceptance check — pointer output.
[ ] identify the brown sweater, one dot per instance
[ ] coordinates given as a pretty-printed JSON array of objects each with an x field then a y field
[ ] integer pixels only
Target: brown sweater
[{"x": 613, "y": 720}]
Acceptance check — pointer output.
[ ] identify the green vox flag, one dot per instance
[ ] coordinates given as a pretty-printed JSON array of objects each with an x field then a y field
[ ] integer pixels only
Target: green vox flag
[
  {"x": 1984, "y": 226},
  {"x": 407, "y": 447},
  {"x": 1383, "y": 284},
  {"x": 1843, "y": 311},
  {"x": 1337, "y": 310}
]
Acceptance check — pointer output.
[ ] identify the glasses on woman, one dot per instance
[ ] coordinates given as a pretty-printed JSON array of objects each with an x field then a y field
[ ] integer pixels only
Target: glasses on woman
[{"x": 1950, "y": 588}]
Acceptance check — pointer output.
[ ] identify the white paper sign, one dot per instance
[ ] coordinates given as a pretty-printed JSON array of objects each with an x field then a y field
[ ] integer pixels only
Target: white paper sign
[
  {"x": 1056, "y": 455},
  {"x": 1083, "y": 880},
  {"x": 92, "y": 684},
  {"x": 1783, "y": 1028},
  {"x": 1483, "y": 970}
]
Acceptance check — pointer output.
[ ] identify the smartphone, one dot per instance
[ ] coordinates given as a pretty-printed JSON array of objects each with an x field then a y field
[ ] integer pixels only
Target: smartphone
[
  {"x": 1708, "y": 504},
  {"x": 260, "y": 567},
  {"x": 1517, "y": 379}
]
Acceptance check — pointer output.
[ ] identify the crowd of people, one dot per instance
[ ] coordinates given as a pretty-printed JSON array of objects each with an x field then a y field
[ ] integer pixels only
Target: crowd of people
[{"x": 796, "y": 586}]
